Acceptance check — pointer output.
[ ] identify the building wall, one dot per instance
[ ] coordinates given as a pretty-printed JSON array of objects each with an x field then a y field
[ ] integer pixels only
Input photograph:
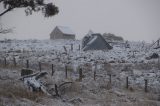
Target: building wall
[
  {"x": 65, "y": 36},
  {"x": 56, "y": 34}
]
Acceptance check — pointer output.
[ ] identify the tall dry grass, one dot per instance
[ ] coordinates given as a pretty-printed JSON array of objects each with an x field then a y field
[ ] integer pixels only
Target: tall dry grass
[{"x": 16, "y": 90}]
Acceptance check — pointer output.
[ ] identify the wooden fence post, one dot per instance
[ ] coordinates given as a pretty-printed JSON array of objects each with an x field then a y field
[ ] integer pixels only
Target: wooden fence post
[
  {"x": 79, "y": 47},
  {"x": 56, "y": 90},
  {"x": 159, "y": 63},
  {"x": 66, "y": 71},
  {"x": 127, "y": 82},
  {"x": 5, "y": 62},
  {"x": 110, "y": 78},
  {"x": 71, "y": 47},
  {"x": 52, "y": 70},
  {"x": 80, "y": 74},
  {"x": 27, "y": 63},
  {"x": 40, "y": 68},
  {"x": 158, "y": 41},
  {"x": 94, "y": 75},
  {"x": 146, "y": 85},
  {"x": 64, "y": 49},
  {"x": 95, "y": 70},
  {"x": 14, "y": 61}
]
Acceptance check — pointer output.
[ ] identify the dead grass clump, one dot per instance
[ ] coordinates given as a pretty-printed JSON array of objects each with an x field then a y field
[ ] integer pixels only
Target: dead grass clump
[
  {"x": 69, "y": 88},
  {"x": 16, "y": 89}
]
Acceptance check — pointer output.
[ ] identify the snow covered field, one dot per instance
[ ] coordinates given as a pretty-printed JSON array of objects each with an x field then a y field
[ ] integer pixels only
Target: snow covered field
[{"x": 120, "y": 62}]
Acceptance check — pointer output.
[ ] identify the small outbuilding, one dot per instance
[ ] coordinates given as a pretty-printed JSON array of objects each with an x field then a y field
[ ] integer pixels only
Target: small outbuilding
[
  {"x": 62, "y": 32},
  {"x": 95, "y": 42}
]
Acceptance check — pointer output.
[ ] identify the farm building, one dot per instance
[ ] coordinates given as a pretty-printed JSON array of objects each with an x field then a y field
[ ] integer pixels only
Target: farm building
[
  {"x": 62, "y": 32},
  {"x": 95, "y": 42}
]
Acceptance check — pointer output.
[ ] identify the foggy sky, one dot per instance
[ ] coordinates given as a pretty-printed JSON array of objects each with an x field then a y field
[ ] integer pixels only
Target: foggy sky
[{"x": 132, "y": 19}]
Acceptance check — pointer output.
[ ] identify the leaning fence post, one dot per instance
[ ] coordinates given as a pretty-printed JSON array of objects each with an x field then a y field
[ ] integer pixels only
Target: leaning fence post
[
  {"x": 27, "y": 63},
  {"x": 14, "y": 60},
  {"x": 80, "y": 74},
  {"x": 52, "y": 70},
  {"x": 127, "y": 82},
  {"x": 64, "y": 49},
  {"x": 66, "y": 72},
  {"x": 5, "y": 62},
  {"x": 146, "y": 85}
]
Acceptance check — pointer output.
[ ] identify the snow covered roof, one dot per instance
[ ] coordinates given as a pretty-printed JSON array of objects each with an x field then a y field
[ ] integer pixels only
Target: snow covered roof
[
  {"x": 65, "y": 30},
  {"x": 95, "y": 42}
]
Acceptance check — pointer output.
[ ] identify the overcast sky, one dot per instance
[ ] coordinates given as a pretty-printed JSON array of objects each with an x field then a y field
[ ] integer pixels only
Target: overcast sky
[{"x": 132, "y": 19}]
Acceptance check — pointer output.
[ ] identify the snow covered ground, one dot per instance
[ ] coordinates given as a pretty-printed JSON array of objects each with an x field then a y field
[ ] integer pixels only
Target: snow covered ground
[{"x": 120, "y": 62}]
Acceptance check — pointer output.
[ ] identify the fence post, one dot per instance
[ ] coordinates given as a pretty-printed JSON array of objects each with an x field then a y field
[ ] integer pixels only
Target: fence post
[
  {"x": 52, "y": 70},
  {"x": 64, "y": 49},
  {"x": 40, "y": 68},
  {"x": 5, "y": 62},
  {"x": 110, "y": 78},
  {"x": 71, "y": 47},
  {"x": 95, "y": 70},
  {"x": 158, "y": 41},
  {"x": 14, "y": 60},
  {"x": 127, "y": 82},
  {"x": 80, "y": 74},
  {"x": 56, "y": 90},
  {"x": 146, "y": 85},
  {"x": 66, "y": 71},
  {"x": 27, "y": 63},
  {"x": 159, "y": 63},
  {"x": 79, "y": 48},
  {"x": 94, "y": 75}
]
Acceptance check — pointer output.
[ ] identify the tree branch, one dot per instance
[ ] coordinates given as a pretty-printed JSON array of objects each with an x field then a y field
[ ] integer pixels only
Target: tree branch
[
  {"x": 4, "y": 12},
  {"x": 48, "y": 9},
  {"x": 1, "y": 0}
]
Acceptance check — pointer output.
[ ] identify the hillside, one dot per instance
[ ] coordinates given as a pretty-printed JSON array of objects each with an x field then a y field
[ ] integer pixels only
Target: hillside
[{"x": 103, "y": 80}]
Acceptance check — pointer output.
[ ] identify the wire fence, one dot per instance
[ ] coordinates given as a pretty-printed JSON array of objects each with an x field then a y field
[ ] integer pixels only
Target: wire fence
[{"x": 82, "y": 73}]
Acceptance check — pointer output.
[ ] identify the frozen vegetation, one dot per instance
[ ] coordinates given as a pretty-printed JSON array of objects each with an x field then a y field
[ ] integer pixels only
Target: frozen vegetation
[{"x": 103, "y": 80}]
